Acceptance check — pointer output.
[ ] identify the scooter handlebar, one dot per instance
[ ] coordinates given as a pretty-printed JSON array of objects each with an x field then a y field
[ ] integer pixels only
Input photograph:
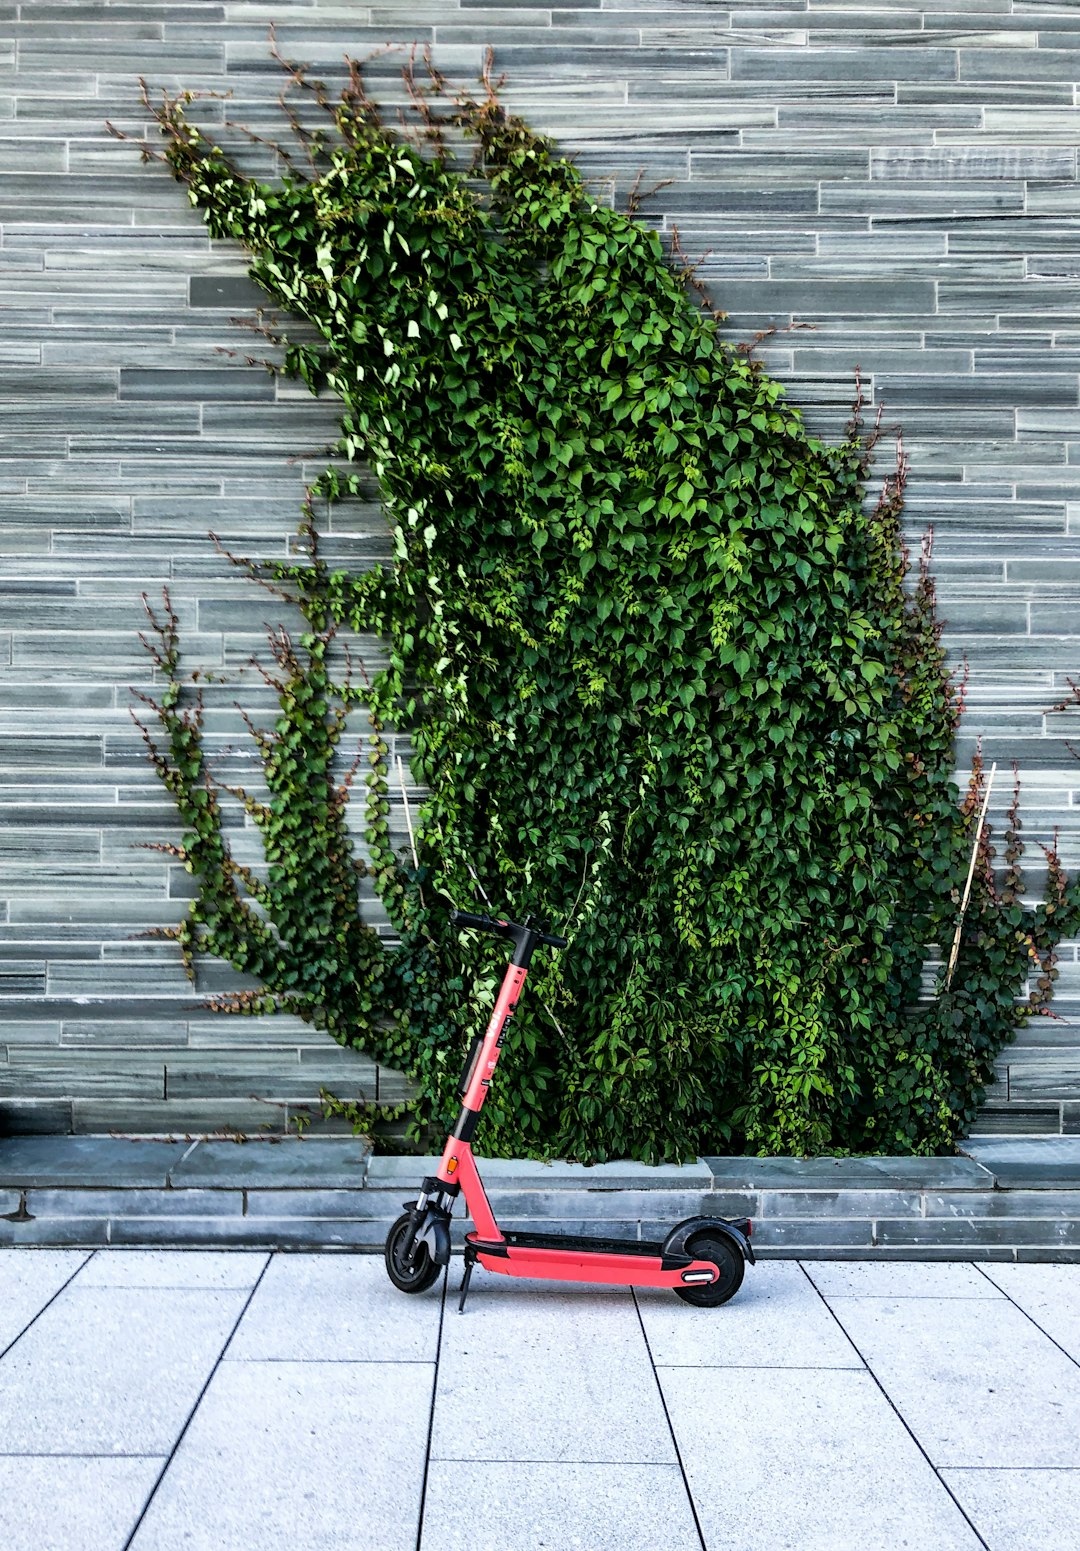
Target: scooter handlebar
[
  {"x": 481, "y": 923},
  {"x": 500, "y": 928}
]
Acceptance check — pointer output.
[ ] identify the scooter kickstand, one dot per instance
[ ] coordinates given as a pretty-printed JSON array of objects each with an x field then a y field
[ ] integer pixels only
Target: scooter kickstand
[{"x": 470, "y": 1261}]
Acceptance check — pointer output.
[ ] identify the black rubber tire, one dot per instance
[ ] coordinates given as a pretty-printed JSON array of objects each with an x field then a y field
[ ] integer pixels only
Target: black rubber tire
[
  {"x": 423, "y": 1272},
  {"x": 728, "y": 1259}
]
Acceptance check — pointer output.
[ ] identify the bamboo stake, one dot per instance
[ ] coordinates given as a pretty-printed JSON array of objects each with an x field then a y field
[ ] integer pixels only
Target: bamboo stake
[
  {"x": 971, "y": 874},
  {"x": 408, "y": 814}
]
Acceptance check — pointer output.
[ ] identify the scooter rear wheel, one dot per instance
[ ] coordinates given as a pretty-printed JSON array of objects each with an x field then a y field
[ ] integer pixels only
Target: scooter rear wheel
[
  {"x": 729, "y": 1262},
  {"x": 423, "y": 1272}
]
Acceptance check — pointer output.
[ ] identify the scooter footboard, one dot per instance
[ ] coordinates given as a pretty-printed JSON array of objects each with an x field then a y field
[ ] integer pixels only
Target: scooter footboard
[{"x": 562, "y": 1258}]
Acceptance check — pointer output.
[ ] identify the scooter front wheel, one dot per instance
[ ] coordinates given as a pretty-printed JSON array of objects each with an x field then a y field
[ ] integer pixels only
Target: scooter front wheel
[
  {"x": 423, "y": 1272},
  {"x": 727, "y": 1259}
]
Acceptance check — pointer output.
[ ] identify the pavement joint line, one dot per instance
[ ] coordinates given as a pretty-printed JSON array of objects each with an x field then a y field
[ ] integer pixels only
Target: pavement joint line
[
  {"x": 898, "y": 1413},
  {"x": 431, "y": 1413},
  {"x": 191, "y": 1414},
  {"x": 1033, "y": 1320},
  {"x": 667, "y": 1419},
  {"x": 44, "y": 1306}
]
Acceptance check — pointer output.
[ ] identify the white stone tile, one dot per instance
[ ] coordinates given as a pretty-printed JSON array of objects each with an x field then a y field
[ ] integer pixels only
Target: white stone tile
[
  {"x": 537, "y": 1372},
  {"x": 974, "y": 1380},
  {"x": 60, "y": 1503},
  {"x": 337, "y": 1307},
  {"x": 111, "y": 1370},
  {"x": 570, "y": 1507},
  {"x": 320, "y": 1454},
  {"x": 1049, "y": 1294},
  {"x": 28, "y": 1279},
  {"x": 173, "y": 1268},
  {"x": 775, "y": 1320},
  {"x": 1021, "y": 1510},
  {"x": 897, "y": 1279},
  {"x": 806, "y": 1461}
]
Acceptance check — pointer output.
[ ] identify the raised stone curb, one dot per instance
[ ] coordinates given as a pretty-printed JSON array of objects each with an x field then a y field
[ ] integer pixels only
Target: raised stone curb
[{"x": 1008, "y": 1200}]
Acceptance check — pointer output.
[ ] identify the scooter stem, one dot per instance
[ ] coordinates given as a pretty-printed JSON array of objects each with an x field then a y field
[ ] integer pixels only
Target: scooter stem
[{"x": 456, "y": 1166}]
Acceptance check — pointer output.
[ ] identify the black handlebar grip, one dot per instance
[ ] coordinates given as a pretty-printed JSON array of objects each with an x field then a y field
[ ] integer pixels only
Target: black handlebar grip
[{"x": 501, "y": 928}]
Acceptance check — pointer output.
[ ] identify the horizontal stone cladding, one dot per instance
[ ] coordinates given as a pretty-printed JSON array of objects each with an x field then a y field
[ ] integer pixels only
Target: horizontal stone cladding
[
  {"x": 1012, "y": 1201},
  {"x": 890, "y": 184}
]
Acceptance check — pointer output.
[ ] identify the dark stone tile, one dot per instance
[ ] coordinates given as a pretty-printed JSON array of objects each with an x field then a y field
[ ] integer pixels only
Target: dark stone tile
[
  {"x": 843, "y": 64},
  {"x": 34, "y": 1117},
  {"x": 1007, "y": 1232},
  {"x": 848, "y": 1174},
  {"x": 1030, "y": 1163},
  {"x": 996, "y": 1120},
  {"x": 56, "y": 1233},
  {"x": 290, "y": 1164},
  {"x": 226, "y": 291},
  {"x": 53, "y": 1161},
  {"x": 170, "y": 386},
  {"x": 396, "y": 1173},
  {"x": 798, "y": 1235},
  {"x": 132, "y": 1202}
]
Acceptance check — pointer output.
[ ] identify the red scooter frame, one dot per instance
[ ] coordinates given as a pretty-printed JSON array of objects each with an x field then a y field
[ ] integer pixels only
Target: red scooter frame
[{"x": 701, "y": 1260}]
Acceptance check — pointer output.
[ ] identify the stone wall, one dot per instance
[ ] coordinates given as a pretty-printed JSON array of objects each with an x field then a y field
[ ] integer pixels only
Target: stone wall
[{"x": 897, "y": 180}]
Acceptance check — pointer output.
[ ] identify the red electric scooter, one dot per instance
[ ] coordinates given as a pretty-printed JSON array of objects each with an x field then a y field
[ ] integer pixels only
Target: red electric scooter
[{"x": 701, "y": 1260}]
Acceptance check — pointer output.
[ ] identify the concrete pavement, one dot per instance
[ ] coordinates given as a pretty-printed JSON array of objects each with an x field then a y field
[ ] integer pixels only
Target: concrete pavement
[{"x": 186, "y": 1400}]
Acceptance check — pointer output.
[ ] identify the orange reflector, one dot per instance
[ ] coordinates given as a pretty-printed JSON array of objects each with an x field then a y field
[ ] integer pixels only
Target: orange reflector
[{"x": 451, "y": 1167}]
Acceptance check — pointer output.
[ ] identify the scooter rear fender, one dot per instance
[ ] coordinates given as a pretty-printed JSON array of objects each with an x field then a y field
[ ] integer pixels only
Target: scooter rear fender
[{"x": 722, "y": 1227}]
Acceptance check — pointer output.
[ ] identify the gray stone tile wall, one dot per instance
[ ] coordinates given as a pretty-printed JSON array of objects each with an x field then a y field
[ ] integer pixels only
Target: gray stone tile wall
[{"x": 891, "y": 183}]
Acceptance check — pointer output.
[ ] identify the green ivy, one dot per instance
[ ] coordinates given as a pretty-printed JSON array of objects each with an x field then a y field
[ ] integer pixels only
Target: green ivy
[{"x": 659, "y": 667}]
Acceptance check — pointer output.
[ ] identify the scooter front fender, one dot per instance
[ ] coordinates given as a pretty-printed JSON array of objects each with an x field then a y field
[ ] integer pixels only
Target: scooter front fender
[
  {"x": 721, "y": 1227},
  {"x": 434, "y": 1231}
]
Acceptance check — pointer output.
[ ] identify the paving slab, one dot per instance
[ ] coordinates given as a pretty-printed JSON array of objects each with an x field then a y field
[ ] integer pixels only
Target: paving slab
[
  {"x": 330, "y": 1453},
  {"x": 775, "y": 1320},
  {"x": 568, "y": 1507},
  {"x": 976, "y": 1382},
  {"x": 1049, "y": 1295},
  {"x": 172, "y": 1268},
  {"x": 336, "y": 1308},
  {"x": 538, "y": 1372},
  {"x": 31, "y": 1161},
  {"x": 1020, "y": 1510},
  {"x": 1042, "y": 1162},
  {"x": 780, "y": 1460},
  {"x": 331, "y": 1163},
  {"x": 68, "y": 1504},
  {"x": 27, "y": 1282},
  {"x": 897, "y": 1279},
  {"x": 110, "y": 1370}
]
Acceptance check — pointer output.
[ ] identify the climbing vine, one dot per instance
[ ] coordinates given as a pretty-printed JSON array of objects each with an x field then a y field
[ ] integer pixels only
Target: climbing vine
[{"x": 653, "y": 648}]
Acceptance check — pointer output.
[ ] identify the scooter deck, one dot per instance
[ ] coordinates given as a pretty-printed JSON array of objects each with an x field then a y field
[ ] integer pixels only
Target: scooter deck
[
  {"x": 572, "y": 1241},
  {"x": 553, "y": 1249}
]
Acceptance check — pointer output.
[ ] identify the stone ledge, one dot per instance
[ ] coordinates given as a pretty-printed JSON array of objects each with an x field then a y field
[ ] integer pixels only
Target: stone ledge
[{"x": 328, "y": 1193}]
